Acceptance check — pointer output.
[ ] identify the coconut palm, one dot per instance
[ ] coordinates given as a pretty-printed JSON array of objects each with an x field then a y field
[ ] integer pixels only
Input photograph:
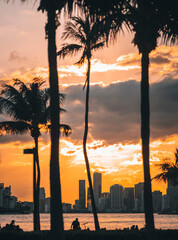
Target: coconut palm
[
  {"x": 150, "y": 20},
  {"x": 169, "y": 170},
  {"x": 53, "y": 8},
  {"x": 88, "y": 38},
  {"x": 28, "y": 107}
]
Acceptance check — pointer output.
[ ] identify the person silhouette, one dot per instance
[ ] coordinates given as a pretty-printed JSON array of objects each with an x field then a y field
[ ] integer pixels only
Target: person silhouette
[{"x": 75, "y": 224}]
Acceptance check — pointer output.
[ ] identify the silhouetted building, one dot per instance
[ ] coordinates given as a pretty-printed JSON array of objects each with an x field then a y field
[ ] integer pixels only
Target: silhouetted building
[
  {"x": 97, "y": 186},
  {"x": 165, "y": 202},
  {"x": 157, "y": 201},
  {"x": 7, "y": 191},
  {"x": 128, "y": 199},
  {"x": 47, "y": 205},
  {"x": 89, "y": 206},
  {"x": 172, "y": 192},
  {"x": 116, "y": 193},
  {"x": 139, "y": 203},
  {"x": 66, "y": 207},
  {"x": 104, "y": 202},
  {"x": 42, "y": 196},
  {"x": 76, "y": 206},
  {"x": 1, "y": 194},
  {"x": 82, "y": 194}
]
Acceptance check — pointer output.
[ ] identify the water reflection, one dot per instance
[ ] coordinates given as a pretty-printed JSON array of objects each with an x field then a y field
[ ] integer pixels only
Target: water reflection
[{"x": 108, "y": 221}]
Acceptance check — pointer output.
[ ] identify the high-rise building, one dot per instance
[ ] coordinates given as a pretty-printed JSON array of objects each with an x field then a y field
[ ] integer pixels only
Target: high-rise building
[
  {"x": 139, "y": 203},
  {"x": 104, "y": 202},
  {"x": 97, "y": 186},
  {"x": 157, "y": 201},
  {"x": 82, "y": 194},
  {"x": 42, "y": 193},
  {"x": 7, "y": 191},
  {"x": 89, "y": 207},
  {"x": 42, "y": 196},
  {"x": 172, "y": 192},
  {"x": 1, "y": 194},
  {"x": 128, "y": 199},
  {"x": 165, "y": 202},
  {"x": 116, "y": 193}
]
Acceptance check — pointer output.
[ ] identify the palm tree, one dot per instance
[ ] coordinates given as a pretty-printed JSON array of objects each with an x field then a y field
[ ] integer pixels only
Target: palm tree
[
  {"x": 28, "y": 107},
  {"x": 88, "y": 38},
  {"x": 169, "y": 170},
  {"x": 53, "y": 9},
  {"x": 149, "y": 20}
]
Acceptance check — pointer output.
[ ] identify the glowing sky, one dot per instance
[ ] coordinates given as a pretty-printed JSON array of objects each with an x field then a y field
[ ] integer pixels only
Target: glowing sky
[{"x": 114, "y": 131}]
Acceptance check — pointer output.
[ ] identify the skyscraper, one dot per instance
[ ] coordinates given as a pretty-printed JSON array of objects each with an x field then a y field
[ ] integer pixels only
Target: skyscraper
[
  {"x": 116, "y": 193},
  {"x": 89, "y": 207},
  {"x": 1, "y": 194},
  {"x": 128, "y": 199},
  {"x": 139, "y": 205},
  {"x": 172, "y": 192},
  {"x": 157, "y": 201},
  {"x": 82, "y": 194},
  {"x": 42, "y": 193},
  {"x": 97, "y": 186},
  {"x": 42, "y": 196}
]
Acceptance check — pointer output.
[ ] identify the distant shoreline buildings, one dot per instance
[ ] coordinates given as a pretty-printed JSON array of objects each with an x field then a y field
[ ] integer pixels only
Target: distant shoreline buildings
[
  {"x": 117, "y": 200},
  {"x": 128, "y": 200}
]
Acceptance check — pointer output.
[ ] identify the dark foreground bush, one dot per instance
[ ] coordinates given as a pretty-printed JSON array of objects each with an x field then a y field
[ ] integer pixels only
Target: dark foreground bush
[{"x": 92, "y": 235}]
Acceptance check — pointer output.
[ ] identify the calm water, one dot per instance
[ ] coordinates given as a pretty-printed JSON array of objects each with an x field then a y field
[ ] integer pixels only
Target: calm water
[{"x": 108, "y": 221}]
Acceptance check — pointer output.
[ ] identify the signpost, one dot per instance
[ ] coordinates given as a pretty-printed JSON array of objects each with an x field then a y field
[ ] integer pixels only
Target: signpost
[{"x": 33, "y": 151}]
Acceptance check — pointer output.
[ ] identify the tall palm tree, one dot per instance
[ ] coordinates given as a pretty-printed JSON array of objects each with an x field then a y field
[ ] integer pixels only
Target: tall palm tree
[
  {"x": 150, "y": 20},
  {"x": 88, "y": 38},
  {"x": 28, "y": 107},
  {"x": 53, "y": 9},
  {"x": 169, "y": 170}
]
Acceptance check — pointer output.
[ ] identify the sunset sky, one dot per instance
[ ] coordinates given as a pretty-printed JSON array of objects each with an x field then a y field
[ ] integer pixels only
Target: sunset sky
[{"x": 114, "y": 119}]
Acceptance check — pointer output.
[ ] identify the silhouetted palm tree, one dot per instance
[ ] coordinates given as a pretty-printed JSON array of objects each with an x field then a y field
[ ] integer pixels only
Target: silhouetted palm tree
[
  {"x": 169, "y": 170},
  {"x": 29, "y": 109},
  {"x": 149, "y": 20},
  {"x": 88, "y": 38},
  {"x": 53, "y": 9}
]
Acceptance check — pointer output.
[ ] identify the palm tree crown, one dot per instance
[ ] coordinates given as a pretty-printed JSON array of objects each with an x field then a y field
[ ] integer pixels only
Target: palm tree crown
[
  {"x": 28, "y": 107},
  {"x": 169, "y": 170},
  {"x": 87, "y": 35}
]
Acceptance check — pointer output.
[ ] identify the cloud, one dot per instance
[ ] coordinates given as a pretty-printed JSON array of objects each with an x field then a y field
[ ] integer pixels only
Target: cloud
[
  {"x": 15, "y": 56},
  {"x": 115, "y": 110}
]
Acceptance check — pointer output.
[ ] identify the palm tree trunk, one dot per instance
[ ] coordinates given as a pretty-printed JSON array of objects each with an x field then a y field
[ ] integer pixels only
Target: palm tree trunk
[
  {"x": 37, "y": 186},
  {"x": 57, "y": 226},
  {"x": 97, "y": 227},
  {"x": 145, "y": 136}
]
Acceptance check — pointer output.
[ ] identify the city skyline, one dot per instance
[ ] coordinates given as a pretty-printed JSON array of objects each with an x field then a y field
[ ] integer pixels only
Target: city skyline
[{"x": 118, "y": 199}]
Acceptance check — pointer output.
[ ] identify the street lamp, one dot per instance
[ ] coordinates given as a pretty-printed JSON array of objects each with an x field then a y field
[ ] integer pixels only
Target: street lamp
[{"x": 33, "y": 151}]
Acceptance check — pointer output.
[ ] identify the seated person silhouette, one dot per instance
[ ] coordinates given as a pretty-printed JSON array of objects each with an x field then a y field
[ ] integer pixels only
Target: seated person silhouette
[{"x": 75, "y": 224}]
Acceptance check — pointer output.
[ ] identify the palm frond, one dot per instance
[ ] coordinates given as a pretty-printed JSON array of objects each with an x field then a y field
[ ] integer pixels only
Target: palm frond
[
  {"x": 72, "y": 32},
  {"x": 69, "y": 49},
  {"x": 98, "y": 46},
  {"x": 65, "y": 129},
  {"x": 12, "y": 127}
]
